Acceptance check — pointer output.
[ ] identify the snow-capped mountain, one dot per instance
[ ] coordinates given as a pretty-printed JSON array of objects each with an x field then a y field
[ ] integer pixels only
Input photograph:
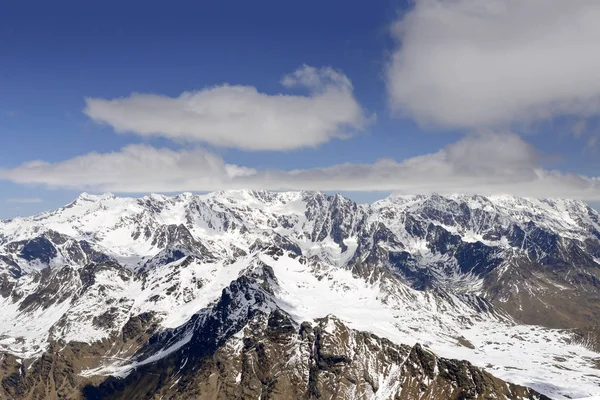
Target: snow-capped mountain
[{"x": 118, "y": 286}]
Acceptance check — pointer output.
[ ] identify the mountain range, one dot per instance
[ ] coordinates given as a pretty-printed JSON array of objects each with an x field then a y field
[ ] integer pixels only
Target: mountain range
[{"x": 284, "y": 295}]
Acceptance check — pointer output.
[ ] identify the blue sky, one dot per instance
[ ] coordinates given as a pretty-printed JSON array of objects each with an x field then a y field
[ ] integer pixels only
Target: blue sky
[{"x": 55, "y": 56}]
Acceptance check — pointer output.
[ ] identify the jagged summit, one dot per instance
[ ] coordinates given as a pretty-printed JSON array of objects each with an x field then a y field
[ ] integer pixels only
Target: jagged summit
[
  {"x": 461, "y": 274},
  {"x": 84, "y": 196}
]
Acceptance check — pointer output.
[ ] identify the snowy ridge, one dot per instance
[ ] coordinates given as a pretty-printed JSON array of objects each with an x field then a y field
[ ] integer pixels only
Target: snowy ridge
[{"x": 407, "y": 268}]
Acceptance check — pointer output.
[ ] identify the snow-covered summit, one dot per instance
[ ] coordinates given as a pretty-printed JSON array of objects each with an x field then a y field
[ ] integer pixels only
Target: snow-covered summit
[{"x": 328, "y": 226}]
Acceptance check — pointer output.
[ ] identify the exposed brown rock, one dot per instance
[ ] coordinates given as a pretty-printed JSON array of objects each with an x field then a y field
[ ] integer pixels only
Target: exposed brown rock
[
  {"x": 55, "y": 375},
  {"x": 274, "y": 359}
]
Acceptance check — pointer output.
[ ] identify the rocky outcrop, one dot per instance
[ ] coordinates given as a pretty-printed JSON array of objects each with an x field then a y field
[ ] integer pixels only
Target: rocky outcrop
[
  {"x": 245, "y": 347},
  {"x": 56, "y": 373},
  {"x": 273, "y": 358}
]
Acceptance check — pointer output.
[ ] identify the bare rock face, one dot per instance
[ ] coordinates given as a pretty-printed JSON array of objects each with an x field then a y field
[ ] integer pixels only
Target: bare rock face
[
  {"x": 558, "y": 298},
  {"x": 326, "y": 360},
  {"x": 56, "y": 374}
]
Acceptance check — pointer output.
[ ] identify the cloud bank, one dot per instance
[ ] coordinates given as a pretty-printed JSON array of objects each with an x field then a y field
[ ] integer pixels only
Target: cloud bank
[
  {"x": 492, "y": 164},
  {"x": 134, "y": 168},
  {"x": 480, "y": 64},
  {"x": 241, "y": 116}
]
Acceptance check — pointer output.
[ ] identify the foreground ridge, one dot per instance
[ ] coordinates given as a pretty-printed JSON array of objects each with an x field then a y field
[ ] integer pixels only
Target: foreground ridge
[{"x": 245, "y": 346}]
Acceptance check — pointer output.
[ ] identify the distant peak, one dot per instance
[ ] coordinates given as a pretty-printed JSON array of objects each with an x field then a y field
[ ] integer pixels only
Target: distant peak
[
  {"x": 155, "y": 196},
  {"x": 85, "y": 196},
  {"x": 480, "y": 200}
]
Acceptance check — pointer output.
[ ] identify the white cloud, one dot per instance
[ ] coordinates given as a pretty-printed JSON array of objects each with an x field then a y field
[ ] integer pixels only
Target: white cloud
[
  {"x": 135, "y": 168},
  {"x": 24, "y": 200},
  {"x": 492, "y": 63},
  {"x": 493, "y": 164},
  {"x": 241, "y": 116}
]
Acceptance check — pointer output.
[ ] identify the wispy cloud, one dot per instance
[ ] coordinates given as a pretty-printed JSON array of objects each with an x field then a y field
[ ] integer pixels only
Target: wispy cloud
[{"x": 31, "y": 200}]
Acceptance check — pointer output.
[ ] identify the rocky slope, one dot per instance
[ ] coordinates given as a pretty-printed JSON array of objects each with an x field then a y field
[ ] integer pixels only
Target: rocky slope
[
  {"x": 134, "y": 288},
  {"x": 246, "y": 347},
  {"x": 268, "y": 355}
]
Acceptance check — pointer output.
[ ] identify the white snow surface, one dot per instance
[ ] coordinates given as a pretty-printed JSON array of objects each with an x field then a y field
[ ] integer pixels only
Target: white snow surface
[{"x": 229, "y": 224}]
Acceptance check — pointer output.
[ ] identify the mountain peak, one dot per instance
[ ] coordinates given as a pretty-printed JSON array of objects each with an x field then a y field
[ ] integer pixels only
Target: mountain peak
[
  {"x": 156, "y": 196},
  {"x": 88, "y": 197}
]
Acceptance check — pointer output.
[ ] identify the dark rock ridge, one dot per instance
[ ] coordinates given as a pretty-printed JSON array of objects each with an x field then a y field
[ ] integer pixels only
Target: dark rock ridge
[{"x": 245, "y": 347}]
